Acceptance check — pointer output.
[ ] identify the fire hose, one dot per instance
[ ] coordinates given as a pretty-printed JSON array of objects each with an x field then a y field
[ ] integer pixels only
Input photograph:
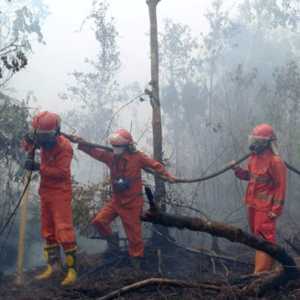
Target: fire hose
[
  {"x": 17, "y": 205},
  {"x": 179, "y": 180},
  {"x": 24, "y": 192},
  {"x": 182, "y": 180}
]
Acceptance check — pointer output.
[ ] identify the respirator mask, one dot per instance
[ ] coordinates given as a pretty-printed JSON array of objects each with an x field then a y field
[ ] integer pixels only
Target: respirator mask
[
  {"x": 118, "y": 150},
  {"x": 46, "y": 140},
  {"x": 258, "y": 145}
]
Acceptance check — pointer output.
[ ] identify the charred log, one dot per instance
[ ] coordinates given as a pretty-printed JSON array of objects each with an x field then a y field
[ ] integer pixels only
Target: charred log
[{"x": 234, "y": 234}]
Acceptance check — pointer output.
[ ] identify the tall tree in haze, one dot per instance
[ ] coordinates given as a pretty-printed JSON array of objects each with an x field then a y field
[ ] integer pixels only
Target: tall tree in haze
[
  {"x": 94, "y": 92},
  {"x": 160, "y": 189},
  {"x": 182, "y": 101},
  {"x": 215, "y": 43}
]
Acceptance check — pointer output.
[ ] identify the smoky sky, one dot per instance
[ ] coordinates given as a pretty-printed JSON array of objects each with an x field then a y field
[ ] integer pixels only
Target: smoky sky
[{"x": 68, "y": 44}]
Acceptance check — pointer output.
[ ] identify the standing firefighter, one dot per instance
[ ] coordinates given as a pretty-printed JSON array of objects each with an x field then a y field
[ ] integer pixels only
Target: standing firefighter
[
  {"x": 55, "y": 192},
  {"x": 266, "y": 173},
  {"x": 125, "y": 164}
]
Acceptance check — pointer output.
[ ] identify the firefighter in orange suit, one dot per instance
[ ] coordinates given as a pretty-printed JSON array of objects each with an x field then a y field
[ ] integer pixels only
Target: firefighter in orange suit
[
  {"x": 55, "y": 193},
  {"x": 265, "y": 195},
  {"x": 125, "y": 164}
]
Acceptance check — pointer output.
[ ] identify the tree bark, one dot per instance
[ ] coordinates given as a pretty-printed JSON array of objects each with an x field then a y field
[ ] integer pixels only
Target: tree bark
[
  {"x": 228, "y": 232},
  {"x": 234, "y": 234},
  {"x": 160, "y": 190}
]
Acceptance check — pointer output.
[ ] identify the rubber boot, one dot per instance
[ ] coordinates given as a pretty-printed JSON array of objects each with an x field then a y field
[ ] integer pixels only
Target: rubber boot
[
  {"x": 263, "y": 262},
  {"x": 136, "y": 262},
  {"x": 52, "y": 256},
  {"x": 71, "y": 276}
]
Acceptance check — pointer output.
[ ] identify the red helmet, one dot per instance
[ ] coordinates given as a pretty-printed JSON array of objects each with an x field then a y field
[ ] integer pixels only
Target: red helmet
[
  {"x": 46, "y": 121},
  {"x": 121, "y": 137},
  {"x": 263, "y": 131}
]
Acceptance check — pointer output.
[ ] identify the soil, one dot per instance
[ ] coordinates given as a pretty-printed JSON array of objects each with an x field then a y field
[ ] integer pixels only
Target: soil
[{"x": 100, "y": 275}]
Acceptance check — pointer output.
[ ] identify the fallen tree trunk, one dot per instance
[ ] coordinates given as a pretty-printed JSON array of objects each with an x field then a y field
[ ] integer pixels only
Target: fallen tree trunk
[
  {"x": 232, "y": 234},
  {"x": 228, "y": 232},
  {"x": 160, "y": 282}
]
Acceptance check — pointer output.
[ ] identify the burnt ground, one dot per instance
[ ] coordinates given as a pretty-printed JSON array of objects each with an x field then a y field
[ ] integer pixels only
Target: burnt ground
[{"x": 100, "y": 276}]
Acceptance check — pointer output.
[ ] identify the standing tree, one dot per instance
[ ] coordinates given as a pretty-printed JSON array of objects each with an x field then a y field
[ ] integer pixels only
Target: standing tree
[
  {"x": 182, "y": 102},
  {"x": 94, "y": 92},
  {"x": 160, "y": 189}
]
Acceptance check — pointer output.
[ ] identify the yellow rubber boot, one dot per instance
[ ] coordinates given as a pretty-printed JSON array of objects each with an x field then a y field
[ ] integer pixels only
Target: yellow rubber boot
[
  {"x": 46, "y": 274},
  {"x": 52, "y": 256},
  {"x": 71, "y": 276}
]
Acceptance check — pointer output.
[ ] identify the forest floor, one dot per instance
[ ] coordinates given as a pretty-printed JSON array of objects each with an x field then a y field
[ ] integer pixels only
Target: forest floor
[{"x": 210, "y": 277}]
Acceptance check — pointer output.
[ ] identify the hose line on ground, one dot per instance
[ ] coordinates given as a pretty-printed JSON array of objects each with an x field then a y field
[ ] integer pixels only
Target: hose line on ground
[{"x": 17, "y": 205}]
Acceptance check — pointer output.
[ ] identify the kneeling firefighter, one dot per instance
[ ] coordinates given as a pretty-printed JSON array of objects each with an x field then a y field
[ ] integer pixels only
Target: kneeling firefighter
[
  {"x": 55, "y": 193},
  {"x": 266, "y": 173},
  {"x": 125, "y": 164}
]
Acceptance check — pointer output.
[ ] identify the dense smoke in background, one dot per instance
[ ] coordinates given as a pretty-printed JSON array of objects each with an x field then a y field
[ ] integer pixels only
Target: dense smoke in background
[{"x": 216, "y": 84}]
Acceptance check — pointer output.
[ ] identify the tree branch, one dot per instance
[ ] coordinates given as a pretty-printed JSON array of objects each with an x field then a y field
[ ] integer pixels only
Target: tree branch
[{"x": 157, "y": 281}]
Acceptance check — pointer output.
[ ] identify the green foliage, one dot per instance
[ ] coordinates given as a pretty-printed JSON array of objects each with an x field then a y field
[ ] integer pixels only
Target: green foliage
[
  {"x": 270, "y": 14},
  {"x": 20, "y": 22},
  {"x": 13, "y": 126},
  {"x": 87, "y": 199}
]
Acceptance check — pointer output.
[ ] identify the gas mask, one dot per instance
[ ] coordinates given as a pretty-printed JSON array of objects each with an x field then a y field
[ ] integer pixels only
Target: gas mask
[
  {"x": 119, "y": 150},
  {"x": 46, "y": 140},
  {"x": 257, "y": 145}
]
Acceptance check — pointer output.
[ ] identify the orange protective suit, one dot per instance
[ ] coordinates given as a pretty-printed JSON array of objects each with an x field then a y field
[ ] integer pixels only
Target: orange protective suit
[
  {"x": 56, "y": 195},
  {"x": 128, "y": 204},
  {"x": 265, "y": 193}
]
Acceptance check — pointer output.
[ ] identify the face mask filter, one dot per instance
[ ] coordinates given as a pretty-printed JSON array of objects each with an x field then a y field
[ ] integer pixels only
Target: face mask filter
[
  {"x": 46, "y": 140},
  {"x": 257, "y": 145},
  {"x": 118, "y": 150}
]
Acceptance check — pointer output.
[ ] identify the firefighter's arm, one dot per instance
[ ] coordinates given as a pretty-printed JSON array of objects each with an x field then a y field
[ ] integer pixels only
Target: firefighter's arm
[
  {"x": 62, "y": 168},
  {"x": 278, "y": 173},
  {"x": 156, "y": 166},
  {"x": 239, "y": 172},
  {"x": 99, "y": 154}
]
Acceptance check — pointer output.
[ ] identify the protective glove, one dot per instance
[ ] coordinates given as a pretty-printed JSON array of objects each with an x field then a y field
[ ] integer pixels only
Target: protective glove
[
  {"x": 272, "y": 215},
  {"x": 232, "y": 165},
  {"x": 31, "y": 165},
  {"x": 171, "y": 179}
]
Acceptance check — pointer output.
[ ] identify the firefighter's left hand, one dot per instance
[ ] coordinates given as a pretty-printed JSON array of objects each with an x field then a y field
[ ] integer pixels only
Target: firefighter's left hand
[
  {"x": 172, "y": 179},
  {"x": 272, "y": 215},
  {"x": 232, "y": 165}
]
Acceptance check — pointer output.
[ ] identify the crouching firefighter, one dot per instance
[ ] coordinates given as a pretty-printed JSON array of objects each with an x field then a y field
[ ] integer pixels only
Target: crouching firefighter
[
  {"x": 125, "y": 164},
  {"x": 55, "y": 193},
  {"x": 266, "y": 173}
]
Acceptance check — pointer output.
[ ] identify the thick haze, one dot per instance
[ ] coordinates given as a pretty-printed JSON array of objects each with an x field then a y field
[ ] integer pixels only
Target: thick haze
[{"x": 67, "y": 47}]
